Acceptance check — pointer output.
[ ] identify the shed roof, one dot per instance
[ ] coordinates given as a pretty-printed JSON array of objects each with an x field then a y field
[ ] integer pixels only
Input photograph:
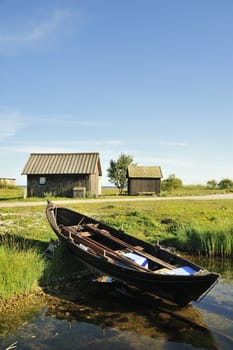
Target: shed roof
[
  {"x": 135, "y": 171},
  {"x": 62, "y": 163}
]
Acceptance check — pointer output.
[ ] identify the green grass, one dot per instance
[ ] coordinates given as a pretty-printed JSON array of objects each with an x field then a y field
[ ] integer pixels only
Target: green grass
[
  {"x": 210, "y": 240},
  {"x": 20, "y": 269},
  {"x": 193, "y": 226},
  {"x": 11, "y": 193},
  {"x": 197, "y": 227},
  {"x": 24, "y": 238},
  {"x": 192, "y": 190}
]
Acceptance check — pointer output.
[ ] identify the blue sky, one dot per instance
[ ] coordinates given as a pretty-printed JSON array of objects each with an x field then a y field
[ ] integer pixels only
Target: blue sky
[{"x": 149, "y": 78}]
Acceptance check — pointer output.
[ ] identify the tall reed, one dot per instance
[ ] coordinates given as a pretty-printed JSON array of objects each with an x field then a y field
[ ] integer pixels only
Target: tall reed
[
  {"x": 20, "y": 269},
  {"x": 212, "y": 239}
]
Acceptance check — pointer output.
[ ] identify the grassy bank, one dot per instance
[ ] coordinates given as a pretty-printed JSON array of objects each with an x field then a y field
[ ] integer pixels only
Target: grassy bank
[
  {"x": 20, "y": 270},
  {"x": 24, "y": 238},
  {"x": 24, "y": 268},
  {"x": 198, "y": 227}
]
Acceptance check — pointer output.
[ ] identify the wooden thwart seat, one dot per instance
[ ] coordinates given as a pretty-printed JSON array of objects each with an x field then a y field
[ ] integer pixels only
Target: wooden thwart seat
[
  {"x": 84, "y": 233},
  {"x": 77, "y": 230}
]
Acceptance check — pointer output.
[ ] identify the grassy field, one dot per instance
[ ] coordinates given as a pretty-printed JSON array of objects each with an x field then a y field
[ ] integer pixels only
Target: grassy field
[
  {"x": 12, "y": 193},
  {"x": 197, "y": 227}
]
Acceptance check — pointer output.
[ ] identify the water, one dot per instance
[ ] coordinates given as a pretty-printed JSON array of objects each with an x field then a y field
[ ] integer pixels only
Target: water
[{"x": 96, "y": 316}]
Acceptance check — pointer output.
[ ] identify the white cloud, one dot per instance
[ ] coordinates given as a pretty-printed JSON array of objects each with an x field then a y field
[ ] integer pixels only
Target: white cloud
[
  {"x": 53, "y": 147},
  {"x": 69, "y": 121},
  {"x": 11, "y": 123},
  {"x": 65, "y": 120},
  {"x": 32, "y": 31}
]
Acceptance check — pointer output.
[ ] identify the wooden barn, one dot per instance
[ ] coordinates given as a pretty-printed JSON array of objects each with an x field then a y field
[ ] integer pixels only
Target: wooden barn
[
  {"x": 144, "y": 180},
  {"x": 63, "y": 174}
]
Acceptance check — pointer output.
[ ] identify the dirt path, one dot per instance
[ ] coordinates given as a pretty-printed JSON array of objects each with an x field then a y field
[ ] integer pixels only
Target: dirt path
[{"x": 126, "y": 199}]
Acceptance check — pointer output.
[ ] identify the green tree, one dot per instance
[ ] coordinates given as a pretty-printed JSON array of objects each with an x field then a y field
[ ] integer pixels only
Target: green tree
[
  {"x": 212, "y": 184},
  {"x": 117, "y": 171},
  {"x": 225, "y": 184},
  {"x": 172, "y": 182}
]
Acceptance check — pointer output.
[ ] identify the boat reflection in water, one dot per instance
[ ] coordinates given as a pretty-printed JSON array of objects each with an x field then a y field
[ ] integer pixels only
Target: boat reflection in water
[{"x": 127, "y": 320}]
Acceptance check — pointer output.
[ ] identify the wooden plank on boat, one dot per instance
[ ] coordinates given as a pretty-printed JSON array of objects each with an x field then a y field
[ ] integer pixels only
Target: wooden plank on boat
[{"x": 85, "y": 233}]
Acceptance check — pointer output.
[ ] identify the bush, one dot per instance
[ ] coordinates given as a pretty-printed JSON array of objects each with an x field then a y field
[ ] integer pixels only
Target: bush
[
  {"x": 225, "y": 184},
  {"x": 172, "y": 182},
  {"x": 212, "y": 184}
]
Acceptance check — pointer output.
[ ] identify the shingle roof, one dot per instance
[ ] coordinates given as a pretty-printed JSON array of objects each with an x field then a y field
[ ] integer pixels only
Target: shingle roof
[
  {"x": 144, "y": 171},
  {"x": 62, "y": 163}
]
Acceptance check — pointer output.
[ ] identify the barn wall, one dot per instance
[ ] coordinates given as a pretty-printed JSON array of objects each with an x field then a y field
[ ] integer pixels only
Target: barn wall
[
  {"x": 61, "y": 185},
  {"x": 94, "y": 185},
  {"x": 137, "y": 185}
]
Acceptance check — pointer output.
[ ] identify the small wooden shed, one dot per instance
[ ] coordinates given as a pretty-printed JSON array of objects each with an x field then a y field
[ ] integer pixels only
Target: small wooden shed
[
  {"x": 63, "y": 174},
  {"x": 144, "y": 180}
]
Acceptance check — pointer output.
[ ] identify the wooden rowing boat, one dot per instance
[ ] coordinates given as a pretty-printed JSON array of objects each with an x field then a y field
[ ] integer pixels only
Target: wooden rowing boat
[{"x": 128, "y": 259}]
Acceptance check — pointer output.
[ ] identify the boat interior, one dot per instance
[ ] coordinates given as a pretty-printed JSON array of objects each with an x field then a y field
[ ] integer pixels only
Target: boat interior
[{"x": 99, "y": 241}]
